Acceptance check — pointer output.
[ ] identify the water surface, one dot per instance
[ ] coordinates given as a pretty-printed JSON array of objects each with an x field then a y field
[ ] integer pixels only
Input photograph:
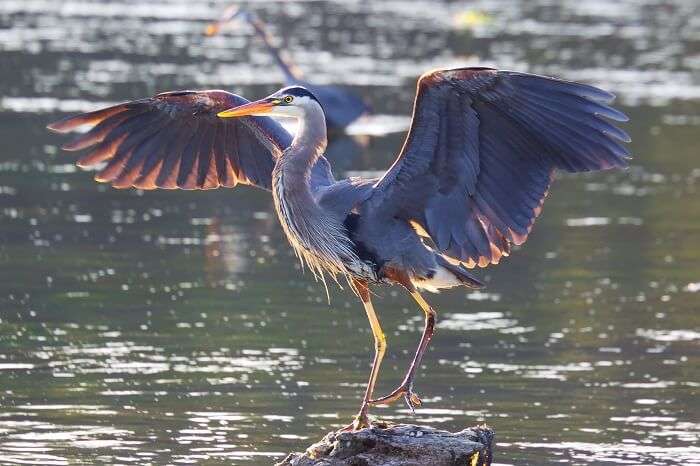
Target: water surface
[{"x": 177, "y": 328}]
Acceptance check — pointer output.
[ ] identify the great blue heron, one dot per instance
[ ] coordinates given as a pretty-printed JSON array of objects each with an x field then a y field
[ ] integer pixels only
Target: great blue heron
[
  {"x": 470, "y": 180},
  {"x": 341, "y": 106}
]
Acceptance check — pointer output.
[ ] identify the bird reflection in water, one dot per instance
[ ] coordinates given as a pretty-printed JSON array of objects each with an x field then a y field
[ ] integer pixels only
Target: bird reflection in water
[{"x": 226, "y": 252}]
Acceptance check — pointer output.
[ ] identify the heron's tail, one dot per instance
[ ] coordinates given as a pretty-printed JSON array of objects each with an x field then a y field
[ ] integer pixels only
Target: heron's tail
[
  {"x": 460, "y": 272},
  {"x": 446, "y": 275}
]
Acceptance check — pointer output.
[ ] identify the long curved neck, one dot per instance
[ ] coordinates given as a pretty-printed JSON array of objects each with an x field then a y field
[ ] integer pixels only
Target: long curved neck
[
  {"x": 290, "y": 70},
  {"x": 319, "y": 239},
  {"x": 308, "y": 145}
]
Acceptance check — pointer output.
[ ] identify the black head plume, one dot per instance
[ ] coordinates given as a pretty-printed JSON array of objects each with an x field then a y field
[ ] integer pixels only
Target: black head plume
[{"x": 298, "y": 91}]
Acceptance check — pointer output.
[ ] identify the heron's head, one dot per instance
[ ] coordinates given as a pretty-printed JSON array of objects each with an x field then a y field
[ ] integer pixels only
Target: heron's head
[
  {"x": 292, "y": 101},
  {"x": 229, "y": 15}
]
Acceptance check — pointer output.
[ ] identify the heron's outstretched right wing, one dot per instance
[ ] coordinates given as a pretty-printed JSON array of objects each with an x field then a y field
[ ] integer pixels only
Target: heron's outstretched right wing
[
  {"x": 479, "y": 157},
  {"x": 175, "y": 140}
]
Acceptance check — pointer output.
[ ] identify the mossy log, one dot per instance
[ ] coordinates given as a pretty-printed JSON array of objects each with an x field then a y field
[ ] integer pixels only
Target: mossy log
[{"x": 399, "y": 445}]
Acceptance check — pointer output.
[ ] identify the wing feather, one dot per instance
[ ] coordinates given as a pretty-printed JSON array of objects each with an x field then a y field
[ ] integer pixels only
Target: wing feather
[
  {"x": 175, "y": 140},
  {"x": 96, "y": 134},
  {"x": 156, "y": 154},
  {"x": 480, "y": 156},
  {"x": 91, "y": 118}
]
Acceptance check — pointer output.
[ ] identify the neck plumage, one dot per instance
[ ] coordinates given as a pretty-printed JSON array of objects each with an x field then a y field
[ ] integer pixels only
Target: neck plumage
[
  {"x": 308, "y": 145},
  {"x": 319, "y": 240}
]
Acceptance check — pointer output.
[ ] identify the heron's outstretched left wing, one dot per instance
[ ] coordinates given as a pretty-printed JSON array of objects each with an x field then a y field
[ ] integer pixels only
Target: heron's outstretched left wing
[
  {"x": 479, "y": 157},
  {"x": 175, "y": 140}
]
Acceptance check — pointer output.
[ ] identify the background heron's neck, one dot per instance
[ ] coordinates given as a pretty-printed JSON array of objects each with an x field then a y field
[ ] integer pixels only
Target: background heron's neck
[{"x": 291, "y": 71}]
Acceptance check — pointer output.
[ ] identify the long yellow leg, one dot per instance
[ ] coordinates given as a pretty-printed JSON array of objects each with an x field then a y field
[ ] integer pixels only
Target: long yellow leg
[
  {"x": 405, "y": 390},
  {"x": 362, "y": 420}
]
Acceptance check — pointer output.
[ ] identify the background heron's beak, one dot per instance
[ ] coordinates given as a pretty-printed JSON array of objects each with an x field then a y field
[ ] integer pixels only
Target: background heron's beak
[
  {"x": 228, "y": 15},
  {"x": 259, "y": 107},
  {"x": 212, "y": 29}
]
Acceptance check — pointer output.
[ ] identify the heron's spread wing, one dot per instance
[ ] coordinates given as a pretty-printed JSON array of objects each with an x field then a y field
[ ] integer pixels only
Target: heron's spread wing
[
  {"x": 479, "y": 157},
  {"x": 175, "y": 140}
]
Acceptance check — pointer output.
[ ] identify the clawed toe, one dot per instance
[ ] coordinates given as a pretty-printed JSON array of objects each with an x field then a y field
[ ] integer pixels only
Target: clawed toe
[
  {"x": 406, "y": 392},
  {"x": 361, "y": 421},
  {"x": 412, "y": 400}
]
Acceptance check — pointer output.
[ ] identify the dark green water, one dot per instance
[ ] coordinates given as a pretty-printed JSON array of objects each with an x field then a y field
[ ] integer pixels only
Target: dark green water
[{"x": 177, "y": 328}]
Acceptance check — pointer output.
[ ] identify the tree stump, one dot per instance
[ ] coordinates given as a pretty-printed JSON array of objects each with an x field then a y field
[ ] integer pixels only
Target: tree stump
[{"x": 399, "y": 445}]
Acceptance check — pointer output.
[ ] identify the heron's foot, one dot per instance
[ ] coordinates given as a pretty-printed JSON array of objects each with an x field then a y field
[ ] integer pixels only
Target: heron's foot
[
  {"x": 361, "y": 421},
  {"x": 405, "y": 391}
]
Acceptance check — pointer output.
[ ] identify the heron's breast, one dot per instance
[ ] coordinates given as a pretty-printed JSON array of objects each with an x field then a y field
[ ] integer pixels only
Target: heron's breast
[{"x": 317, "y": 238}]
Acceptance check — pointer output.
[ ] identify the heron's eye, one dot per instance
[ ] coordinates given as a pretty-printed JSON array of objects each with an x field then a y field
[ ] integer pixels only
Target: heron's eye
[{"x": 288, "y": 99}]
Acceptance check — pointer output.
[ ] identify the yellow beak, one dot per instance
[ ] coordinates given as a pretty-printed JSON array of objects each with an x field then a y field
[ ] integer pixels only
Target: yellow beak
[{"x": 259, "y": 107}]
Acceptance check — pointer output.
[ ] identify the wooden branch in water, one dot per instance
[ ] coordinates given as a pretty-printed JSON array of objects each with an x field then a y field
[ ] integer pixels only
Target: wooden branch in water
[{"x": 399, "y": 445}]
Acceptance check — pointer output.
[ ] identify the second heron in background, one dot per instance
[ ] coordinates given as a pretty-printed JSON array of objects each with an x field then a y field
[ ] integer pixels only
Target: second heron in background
[{"x": 342, "y": 106}]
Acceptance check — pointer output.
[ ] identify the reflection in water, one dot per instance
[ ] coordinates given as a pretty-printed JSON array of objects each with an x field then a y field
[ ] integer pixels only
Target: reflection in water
[
  {"x": 172, "y": 327},
  {"x": 226, "y": 250}
]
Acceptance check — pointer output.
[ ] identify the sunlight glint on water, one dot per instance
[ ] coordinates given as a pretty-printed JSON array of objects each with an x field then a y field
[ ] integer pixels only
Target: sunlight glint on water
[{"x": 175, "y": 327}]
